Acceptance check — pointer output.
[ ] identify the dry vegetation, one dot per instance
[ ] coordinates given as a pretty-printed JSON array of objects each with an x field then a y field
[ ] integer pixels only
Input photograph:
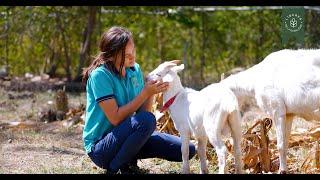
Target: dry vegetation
[
  {"x": 30, "y": 144},
  {"x": 260, "y": 154}
]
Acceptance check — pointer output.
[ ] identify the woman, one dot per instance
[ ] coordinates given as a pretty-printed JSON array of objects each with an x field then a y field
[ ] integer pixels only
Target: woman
[{"x": 119, "y": 127}]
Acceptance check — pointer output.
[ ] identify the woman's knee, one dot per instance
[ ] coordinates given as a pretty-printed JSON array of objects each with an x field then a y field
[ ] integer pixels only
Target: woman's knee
[
  {"x": 192, "y": 152},
  {"x": 98, "y": 160},
  {"x": 146, "y": 120}
]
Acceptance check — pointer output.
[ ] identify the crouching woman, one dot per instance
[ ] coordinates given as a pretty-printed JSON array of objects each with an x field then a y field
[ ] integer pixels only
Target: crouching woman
[{"x": 119, "y": 127}]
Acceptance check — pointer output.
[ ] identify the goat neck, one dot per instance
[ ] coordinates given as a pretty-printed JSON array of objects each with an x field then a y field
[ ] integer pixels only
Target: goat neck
[{"x": 174, "y": 88}]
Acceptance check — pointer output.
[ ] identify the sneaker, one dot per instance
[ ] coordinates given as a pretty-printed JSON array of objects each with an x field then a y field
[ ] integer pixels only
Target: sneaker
[
  {"x": 112, "y": 173},
  {"x": 132, "y": 168}
]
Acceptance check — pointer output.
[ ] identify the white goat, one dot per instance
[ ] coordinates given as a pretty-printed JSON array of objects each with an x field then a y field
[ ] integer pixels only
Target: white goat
[
  {"x": 205, "y": 114},
  {"x": 285, "y": 84}
]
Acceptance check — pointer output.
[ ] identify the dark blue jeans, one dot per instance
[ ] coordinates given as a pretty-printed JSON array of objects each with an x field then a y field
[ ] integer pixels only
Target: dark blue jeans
[{"x": 133, "y": 139}]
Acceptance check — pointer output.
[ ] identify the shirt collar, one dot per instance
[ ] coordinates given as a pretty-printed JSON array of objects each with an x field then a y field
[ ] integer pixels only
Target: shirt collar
[{"x": 130, "y": 71}]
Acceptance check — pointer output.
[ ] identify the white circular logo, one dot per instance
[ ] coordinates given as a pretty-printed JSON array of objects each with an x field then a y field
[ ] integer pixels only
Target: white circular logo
[{"x": 293, "y": 22}]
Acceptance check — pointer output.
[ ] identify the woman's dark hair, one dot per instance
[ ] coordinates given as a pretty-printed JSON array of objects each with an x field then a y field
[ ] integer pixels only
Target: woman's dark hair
[{"x": 112, "y": 45}]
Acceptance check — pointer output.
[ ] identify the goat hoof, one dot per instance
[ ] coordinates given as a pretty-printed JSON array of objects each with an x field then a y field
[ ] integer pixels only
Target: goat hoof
[
  {"x": 283, "y": 172},
  {"x": 185, "y": 172},
  {"x": 240, "y": 172},
  {"x": 204, "y": 171}
]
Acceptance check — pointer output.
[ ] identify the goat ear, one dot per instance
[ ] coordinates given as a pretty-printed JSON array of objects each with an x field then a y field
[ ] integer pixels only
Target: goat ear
[
  {"x": 170, "y": 64},
  {"x": 178, "y": 68},
  {"x": 175, "y": 61},
  {"x": 165, "y": 65}
]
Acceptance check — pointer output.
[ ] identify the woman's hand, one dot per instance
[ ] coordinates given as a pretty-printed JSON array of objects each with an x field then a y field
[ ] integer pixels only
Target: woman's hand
[
  {"x": 117, "y": 114},
  {"x": 155, "y": 87}
]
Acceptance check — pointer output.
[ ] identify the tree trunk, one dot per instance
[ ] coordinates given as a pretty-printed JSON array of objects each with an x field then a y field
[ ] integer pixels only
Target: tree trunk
[
  {"x": 85, "y": 47},
  {"x": 65, "y": 47},
  {"x": 54, "y": 59},
  {"x": 204, "y": 40},
  {"x": 160, "y": 41},
  {"x": 99, "y": 25},
  {"x": 314, "y": 29},
  {"x": 191, "y": 60},
  {"x": 185, "y": 61},
  {"x": 260, "y": 38},
  {"x": 7, "y": 38}
]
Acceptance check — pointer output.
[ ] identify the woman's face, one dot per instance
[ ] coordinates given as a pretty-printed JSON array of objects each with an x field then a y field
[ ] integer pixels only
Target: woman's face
[{"x": 130, "y": 54}]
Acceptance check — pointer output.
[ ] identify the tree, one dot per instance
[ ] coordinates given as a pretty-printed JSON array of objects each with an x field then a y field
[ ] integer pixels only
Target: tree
[{"x": 87, "y": 33}]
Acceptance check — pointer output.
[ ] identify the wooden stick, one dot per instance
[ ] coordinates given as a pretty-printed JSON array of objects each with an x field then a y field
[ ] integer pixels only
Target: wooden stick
[
  {"x": 165, "y": 125},
  {"x": 317, "y": 155},
  {"x": 264, "y": 155}
]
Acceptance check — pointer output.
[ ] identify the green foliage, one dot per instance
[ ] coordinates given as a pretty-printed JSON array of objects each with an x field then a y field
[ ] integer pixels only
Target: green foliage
[{"x": 35, "y": 39}]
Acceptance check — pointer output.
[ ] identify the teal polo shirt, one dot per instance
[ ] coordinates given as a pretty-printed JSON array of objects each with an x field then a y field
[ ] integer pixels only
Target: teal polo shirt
[{"x": 103, "y": 84}]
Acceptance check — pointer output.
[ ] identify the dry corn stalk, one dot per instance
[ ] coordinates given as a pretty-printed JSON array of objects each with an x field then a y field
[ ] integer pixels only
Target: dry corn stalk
[
  {"x": 314, "y": 132},
  {"x": 264, "y": 143},
  {"x": 256, "y": 146},
  {"x": 311, "y": 162},
  {"x": 317, "y": 155},
  {"x": 304, "y": 138}
]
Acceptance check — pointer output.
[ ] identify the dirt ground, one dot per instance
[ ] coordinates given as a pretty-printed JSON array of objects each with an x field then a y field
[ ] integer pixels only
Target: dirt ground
[
  {"x": 52, "y": 148},
  {"x": 35, "y": 147}
]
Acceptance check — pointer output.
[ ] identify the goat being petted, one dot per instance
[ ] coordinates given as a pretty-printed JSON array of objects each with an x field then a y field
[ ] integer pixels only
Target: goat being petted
[{"x": 205, "y": 114}]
